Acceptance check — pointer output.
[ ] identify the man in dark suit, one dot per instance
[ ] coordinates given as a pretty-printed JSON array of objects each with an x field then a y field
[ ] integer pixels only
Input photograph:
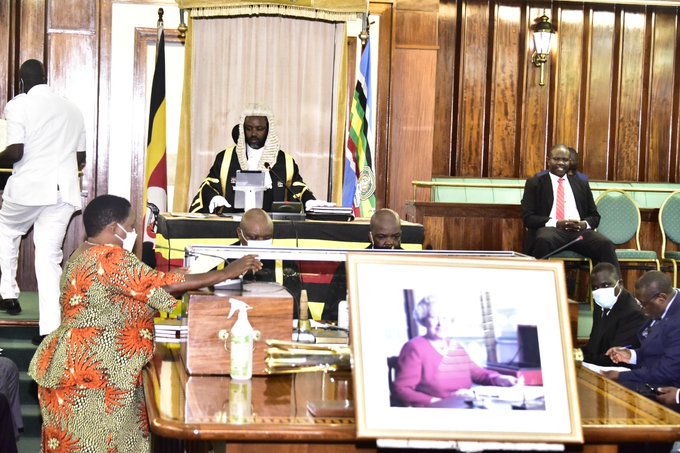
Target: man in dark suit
[
  {"x": 558, "y": 208},
  {"x": 617, "y": 317},
  {"x": 657, "y": 360},
  {"x": 256, "y": 229},
  {"x": 384, "y": 234}
]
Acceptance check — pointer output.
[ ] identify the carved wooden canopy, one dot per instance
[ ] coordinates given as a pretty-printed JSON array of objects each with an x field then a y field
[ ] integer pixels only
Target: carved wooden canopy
[{"x": 330, "y": 10}]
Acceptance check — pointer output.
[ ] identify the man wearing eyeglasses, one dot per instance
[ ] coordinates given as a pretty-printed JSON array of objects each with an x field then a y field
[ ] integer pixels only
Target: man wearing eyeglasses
[{"x": 656, "y": 362}]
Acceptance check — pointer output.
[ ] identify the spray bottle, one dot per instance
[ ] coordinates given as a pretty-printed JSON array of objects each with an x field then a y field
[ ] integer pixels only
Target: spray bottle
[{"x": 241, "y": 343}]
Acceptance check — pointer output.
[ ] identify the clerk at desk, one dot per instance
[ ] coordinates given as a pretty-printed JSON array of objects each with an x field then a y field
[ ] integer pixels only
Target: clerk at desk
[
  {"x": 256, "y": 229},
  {"x": 257, "y": 148}
]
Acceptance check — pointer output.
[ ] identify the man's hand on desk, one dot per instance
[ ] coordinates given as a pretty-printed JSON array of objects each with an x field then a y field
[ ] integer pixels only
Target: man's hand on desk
[
  {"x": 619, "y": 355},
  {"x": 571, "y": 225},
  {"x": 218, "y": 201}
]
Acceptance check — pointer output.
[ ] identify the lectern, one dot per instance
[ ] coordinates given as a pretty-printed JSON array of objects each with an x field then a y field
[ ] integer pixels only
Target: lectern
[{"x": 204, "y": 353}]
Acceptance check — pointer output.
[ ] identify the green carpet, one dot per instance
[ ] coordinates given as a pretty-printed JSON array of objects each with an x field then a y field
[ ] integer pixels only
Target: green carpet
[{"x": 29, "y": 309}]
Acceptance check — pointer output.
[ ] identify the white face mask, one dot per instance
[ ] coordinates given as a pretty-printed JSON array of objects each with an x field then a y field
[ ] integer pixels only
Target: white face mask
[
  {"x": 265, "y": 243},
  {"x": 129, "y": 240},
  {"x": 605, "y": 297}
]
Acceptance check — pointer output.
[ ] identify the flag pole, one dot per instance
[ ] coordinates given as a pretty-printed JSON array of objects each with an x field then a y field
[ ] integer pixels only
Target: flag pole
[
  {"x": 155, "y": 181},
  {"x": 159, "y": 24}
]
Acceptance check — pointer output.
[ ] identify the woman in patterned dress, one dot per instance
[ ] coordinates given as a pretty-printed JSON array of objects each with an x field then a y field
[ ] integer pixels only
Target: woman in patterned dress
[{"x": 89, "y": 370}]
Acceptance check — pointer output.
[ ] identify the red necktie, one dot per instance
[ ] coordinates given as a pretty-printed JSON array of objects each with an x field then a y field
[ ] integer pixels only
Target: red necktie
[{"x": 559, "y": 207}]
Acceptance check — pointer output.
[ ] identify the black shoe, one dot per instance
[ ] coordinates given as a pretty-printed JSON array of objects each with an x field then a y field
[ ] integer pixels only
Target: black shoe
[
  {"x": 38, "y": 339},
  {"x": 11, "y": 306}
]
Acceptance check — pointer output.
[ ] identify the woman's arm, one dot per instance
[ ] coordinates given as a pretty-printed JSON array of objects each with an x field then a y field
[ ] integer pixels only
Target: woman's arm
[
  {"x": 483, "y": 376},
  {"x": 234, "y": 270}
]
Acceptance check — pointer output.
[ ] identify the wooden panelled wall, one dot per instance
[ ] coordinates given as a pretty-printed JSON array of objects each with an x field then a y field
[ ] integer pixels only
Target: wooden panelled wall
[{"x": 612, "y": 91}]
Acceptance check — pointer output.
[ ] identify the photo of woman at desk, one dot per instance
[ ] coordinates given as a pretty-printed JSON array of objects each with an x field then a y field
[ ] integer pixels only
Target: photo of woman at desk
[{"x": 433, "y": 367}]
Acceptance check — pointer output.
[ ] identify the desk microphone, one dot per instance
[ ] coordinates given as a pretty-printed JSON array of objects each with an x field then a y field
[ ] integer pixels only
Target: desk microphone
[
  {"x": 283, "y": 181},
  {"x": 302, "y": 207},
  {"x": 559, "y": 249}
]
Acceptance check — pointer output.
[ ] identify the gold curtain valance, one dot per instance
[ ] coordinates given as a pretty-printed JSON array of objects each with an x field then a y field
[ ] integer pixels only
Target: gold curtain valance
[{"x": 330, "y": 10}]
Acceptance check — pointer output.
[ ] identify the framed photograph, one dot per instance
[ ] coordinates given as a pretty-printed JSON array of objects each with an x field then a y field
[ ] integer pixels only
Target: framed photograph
[{"x": 470, "y": 349}]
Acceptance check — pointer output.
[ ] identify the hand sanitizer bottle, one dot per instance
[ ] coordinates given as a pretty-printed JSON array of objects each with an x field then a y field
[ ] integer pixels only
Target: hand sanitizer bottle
[{"x": 241, "y": 342}]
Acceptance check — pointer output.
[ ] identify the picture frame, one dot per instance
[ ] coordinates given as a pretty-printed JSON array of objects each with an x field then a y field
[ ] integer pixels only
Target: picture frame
[{"x": 509, "y": 317}]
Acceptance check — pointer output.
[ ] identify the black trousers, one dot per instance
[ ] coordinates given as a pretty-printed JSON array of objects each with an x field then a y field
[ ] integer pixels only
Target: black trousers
[{"x": 594, "y": 245}]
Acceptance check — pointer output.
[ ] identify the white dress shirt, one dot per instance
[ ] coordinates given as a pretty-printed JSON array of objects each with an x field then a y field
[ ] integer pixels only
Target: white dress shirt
[
  {"x": 52, "y": 130},
  {"x": 570, "y": 210}
]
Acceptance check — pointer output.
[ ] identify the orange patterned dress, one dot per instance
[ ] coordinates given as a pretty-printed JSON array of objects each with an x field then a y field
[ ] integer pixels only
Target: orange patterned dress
[{"x": 89, "y": 369}]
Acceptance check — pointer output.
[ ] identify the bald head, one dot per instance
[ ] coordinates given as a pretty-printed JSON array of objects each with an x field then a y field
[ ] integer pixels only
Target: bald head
[
  {"x": 31, "y": 73},
  {"x": 256, "y": 225},
  {"x": 385, "y": 230}
]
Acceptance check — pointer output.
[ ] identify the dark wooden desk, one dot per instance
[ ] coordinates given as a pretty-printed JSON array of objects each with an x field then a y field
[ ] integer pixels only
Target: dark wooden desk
[
  {"x": 196, "y": 409},
  {"x": 176, "y": 231}
]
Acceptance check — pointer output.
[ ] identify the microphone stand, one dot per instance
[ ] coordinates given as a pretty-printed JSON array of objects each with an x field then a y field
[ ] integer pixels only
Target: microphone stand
[
  {"x": 559, "y": 249},
  {"x": 292, "y": 195}
]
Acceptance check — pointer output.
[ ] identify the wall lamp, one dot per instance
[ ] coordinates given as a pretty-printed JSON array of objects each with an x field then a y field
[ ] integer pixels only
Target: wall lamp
[{"x": 542, "y": 30}]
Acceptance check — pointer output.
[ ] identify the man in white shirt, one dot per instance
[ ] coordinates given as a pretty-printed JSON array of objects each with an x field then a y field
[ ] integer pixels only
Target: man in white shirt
[
  {"x": 46, "y": 147},
  {"x": 558, "y": 209}
]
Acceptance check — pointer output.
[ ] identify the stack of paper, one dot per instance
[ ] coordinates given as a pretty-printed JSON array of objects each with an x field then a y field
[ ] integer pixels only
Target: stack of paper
[
  {"x": 170, "y": 330},
  {"x": 601, "y": 369}
]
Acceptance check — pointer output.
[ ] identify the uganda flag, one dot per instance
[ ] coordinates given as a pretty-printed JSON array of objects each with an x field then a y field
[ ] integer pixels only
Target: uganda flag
[
  {"x": 358, "y": 189},
  {"x": 156, "y": 179}
]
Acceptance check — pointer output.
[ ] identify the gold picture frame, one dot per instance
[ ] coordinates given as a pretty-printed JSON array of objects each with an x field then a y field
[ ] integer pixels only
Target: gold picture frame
[{"x": 524, "y": 300}]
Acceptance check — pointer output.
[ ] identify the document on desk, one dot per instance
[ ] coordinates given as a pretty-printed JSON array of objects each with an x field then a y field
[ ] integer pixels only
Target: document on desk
[{"x": 601, "y": 369}]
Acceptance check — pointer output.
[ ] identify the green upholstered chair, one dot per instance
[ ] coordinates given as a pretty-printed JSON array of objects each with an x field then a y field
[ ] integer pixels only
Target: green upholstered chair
[
  {"x": 669, "y": 222},
  {"x": 620, "y": 222}
]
